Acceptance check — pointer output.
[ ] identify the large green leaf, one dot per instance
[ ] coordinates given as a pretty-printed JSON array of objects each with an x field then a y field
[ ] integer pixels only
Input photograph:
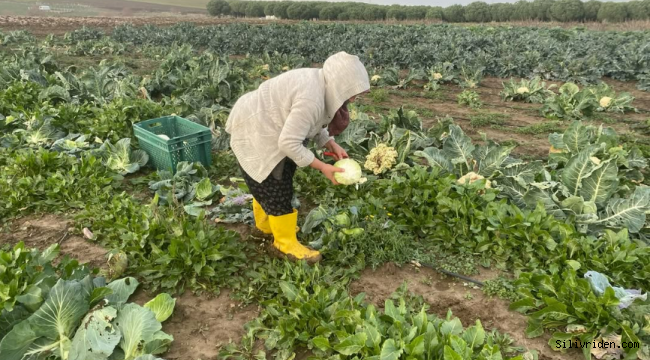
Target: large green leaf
[
  {"x": 450, "y": 354},
  {"x": 601, "y": 184},
  {"x": 390, "y": 351},
  {"x": 458, "y": 147},
  {"x": 159, "y": 343},
  {"x": 162, "y": 305},
  {"x": 122, "y": 290},
  {"x": 474, "y": 335},
  {"x": 451, "y": 327},
  {"x": 97, "y": 337},
  {"x": 435, "y": 158},
  {"x": 17, "y": 342},
  {"x": 289, "y": 290},
  {"x": 627, "y": 213},
  {"x": 138, "y": 326},
  {"x": 204, "y": 189},
  {"x": 352, "y": 344},
  {"x": 577, "y": 169},
  {"x": 50, "y": 328},
  {"x": 493, "y": 160},
  {"x": 576, "y": 137}
]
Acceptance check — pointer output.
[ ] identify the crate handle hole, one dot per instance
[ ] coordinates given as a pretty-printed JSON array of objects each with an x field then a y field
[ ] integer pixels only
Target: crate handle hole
[{"x": 155, "y": 125}]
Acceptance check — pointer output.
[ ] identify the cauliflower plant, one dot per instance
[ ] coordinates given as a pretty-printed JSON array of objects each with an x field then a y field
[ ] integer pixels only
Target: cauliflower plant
[
  {"x": 380, "y": 159},
  {"x": 605, "y": 101},
  {"x": 471, "y": 177}
]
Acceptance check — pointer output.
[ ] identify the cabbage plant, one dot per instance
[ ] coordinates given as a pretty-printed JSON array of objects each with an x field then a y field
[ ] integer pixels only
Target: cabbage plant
[{"x": 120, "y": 158}]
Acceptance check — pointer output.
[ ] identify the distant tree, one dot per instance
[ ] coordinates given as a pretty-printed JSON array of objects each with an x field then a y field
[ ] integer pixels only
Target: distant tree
[
  {"x": 218, "y": 7},
  {"x": 454, "y": 13},
  {"x": 238, "y": 8},
  {"x": 301, "y": 11},
  {"x": 502, "y": 11},
  {"x": 477, "y": 11},
  {"x": 416, "y": 12},
  {"x": 269, "y": 8},
  {"x": 523, "y": 10},
  {"x": 344, "y": 16},
  {"x": 280, "y": 9},
  {"x": 591, "y": 10},
  {"x": 254, "y": 9},
  {"x": 434, "y": 13},
  {"x": 638, "y": 10},
  {"x": 373, "y": 13},
  {"x": 330, "y": 12},
  {"x": 540, "y": 9},
  {"x": 612, "y": 12},
  {"x": 396, "y": 12},
  {"x": 356, "y": 12},
  {"x": 567, "y": 10}
]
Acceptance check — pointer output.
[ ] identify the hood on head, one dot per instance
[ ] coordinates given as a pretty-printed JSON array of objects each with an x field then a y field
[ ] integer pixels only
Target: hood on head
[{"x": 345, "y": 76}]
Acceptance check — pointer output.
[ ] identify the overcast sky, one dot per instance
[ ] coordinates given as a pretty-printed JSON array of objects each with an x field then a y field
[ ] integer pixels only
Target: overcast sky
[{"x": 442, "y": 3}]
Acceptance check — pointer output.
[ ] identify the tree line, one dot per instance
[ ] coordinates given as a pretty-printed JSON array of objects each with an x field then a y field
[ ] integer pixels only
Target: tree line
[{"x": 540, "y": 10}]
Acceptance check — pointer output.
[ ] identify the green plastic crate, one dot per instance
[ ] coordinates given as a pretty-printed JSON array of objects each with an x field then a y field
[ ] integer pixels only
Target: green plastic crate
[{"x": 188, "y": 141}]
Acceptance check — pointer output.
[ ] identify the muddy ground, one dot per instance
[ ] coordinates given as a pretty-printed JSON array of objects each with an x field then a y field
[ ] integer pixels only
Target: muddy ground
[
  {"x": 202, "y": 324},
  {"x": 517, "y": 121}
]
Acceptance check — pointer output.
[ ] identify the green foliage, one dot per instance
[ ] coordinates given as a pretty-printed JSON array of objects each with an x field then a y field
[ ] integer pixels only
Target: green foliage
[
  {"x": 568, "y": 305},
  {"x": 575, "y": 103},
  {"x": 68, "y": 325},
  {"x": 544, "y": 127},
  {"x": 349, "y": 236},
  {"x": 165, "y": 247},
  {"x": 532, "y": 91},
  {"x": 379, "y": 95},
  {"x": 485, "y": 119},
  {"x": 501, "y": 287},
  {"x": 329, "y": 322},
  {"x": 120, "y": 158},
  {"x": 41, "y": 180},
  {"x": 26, "y": 279},
  {"x": 470, "y": 98}
]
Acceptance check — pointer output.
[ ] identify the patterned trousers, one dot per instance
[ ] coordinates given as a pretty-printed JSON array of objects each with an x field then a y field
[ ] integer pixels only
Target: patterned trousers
[{"x": 276, "y": 191}]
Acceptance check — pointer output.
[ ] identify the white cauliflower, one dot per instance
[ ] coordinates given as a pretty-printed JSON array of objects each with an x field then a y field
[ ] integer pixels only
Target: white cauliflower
[
  {"x": 595, "y": 160},
  {"x": 523, "y": 90},
  {"x": 605, "y": 101},
  {"x": 471, "y": 177},
  {"x": 437, "y": 76},
  {"x": 380, "y": 159},
  {"x": 265, "y": 67},
  {"x": 375, "y": 78}
]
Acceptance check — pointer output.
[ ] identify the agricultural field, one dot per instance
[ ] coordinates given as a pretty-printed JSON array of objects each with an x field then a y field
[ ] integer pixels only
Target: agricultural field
[{"x": 504, "y": 212}]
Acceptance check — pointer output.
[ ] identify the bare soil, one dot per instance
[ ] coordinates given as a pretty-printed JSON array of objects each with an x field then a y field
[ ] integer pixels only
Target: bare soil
[
  {"x": 202, "y": 324},
  {"x": 41, "y": 231},
  {"x": 465, "y": 302},
  {"x": 516, "y": 115}
]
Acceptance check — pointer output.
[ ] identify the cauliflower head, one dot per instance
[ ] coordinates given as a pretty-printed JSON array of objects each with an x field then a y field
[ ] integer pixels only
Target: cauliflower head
[
  {"x": 471, "y": 177},
  {"x": 380, "y": 159},
  {"x": 605, "y": 101},
  {"x": 437, "y": 76},
  {"x": 523, "y": 90}
]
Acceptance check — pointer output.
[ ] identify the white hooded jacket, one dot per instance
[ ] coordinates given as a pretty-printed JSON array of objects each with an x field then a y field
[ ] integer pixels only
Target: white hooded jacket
[{"x": 272, "y": 122}]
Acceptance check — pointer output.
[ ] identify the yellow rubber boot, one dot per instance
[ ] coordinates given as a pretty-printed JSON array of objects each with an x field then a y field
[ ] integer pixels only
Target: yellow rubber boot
[
  {"x": 285, "y": 240},
  {"x": 261, "y": 219}
]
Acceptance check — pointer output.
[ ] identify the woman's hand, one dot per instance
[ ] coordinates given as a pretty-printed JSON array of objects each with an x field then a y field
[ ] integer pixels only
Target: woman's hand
[
  {"x": 327, "y": 170},
  {"x": 339, "y": 152}
]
